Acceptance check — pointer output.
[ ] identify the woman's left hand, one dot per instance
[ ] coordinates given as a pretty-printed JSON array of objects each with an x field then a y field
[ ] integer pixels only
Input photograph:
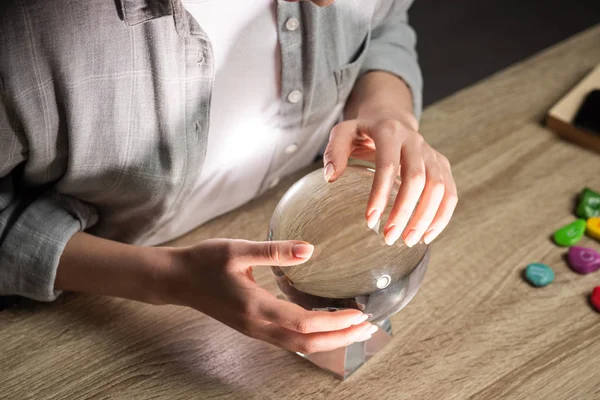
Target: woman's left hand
[{"x": 397, "y": 150}]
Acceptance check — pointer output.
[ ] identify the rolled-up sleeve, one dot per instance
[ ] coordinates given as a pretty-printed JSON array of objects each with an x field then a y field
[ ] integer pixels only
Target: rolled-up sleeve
[
  {"x": 393, "y": 49},
  {"x": 35, "y": 223}
]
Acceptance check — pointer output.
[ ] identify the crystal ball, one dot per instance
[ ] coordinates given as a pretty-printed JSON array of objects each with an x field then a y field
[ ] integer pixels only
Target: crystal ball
[{"x": 352, "y": 266}]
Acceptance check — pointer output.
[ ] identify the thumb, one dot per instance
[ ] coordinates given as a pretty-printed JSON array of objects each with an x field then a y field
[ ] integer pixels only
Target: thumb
[{"x": 274, "y": 253}]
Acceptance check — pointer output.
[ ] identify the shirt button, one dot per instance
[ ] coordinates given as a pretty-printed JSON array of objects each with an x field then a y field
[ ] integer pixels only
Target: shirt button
[
  {"x": 291, "y": 149},
  {"x": 294, "y": 96},
  {"x": 292, "y": 24},
  {"x": 274, "y": 182}
]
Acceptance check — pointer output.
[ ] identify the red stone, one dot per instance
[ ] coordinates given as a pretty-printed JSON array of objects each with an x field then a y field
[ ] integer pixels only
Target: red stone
[{"x": 595, "y": 298}]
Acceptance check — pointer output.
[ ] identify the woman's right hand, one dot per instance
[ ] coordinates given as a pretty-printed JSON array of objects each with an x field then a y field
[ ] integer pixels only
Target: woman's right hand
[{"x": 215, "y": 277}]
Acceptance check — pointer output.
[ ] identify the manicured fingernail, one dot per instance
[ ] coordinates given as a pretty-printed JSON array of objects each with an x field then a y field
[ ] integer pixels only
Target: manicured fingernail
[
  {"x": 412, "y": 238},
  {"x": 303, "y": 250},
  {"x": 329, "y": 170},
  {"x": 366, "y": 335},
  {"x": 372, "y": 329},
  {"x": 373, "y": 218},
  {"x": 392, "y": 234},
  {"x": 429, "y": 236},
  {"x": 362, "y": 318}
]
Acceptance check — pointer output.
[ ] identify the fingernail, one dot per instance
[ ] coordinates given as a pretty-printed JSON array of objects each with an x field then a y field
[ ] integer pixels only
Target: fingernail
[
  {"x": 362, "y": 318},
  {"x": 303, "y": 250},
  {"x": 412, "y": 238},
  {"x": 329, "y": 170},
  {"x": 392, "y": 235},
  {"x": 372, "y": 329},
  {"x": 373, "y": 218},
  {"x": 429, "y": 236},
  {"x": 366, "y": 335}
]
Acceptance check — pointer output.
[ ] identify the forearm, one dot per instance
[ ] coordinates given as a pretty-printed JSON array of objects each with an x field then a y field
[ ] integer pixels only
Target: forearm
[
  {"x": 384, "y": 95},
  {"x": 94, "y": 265}
]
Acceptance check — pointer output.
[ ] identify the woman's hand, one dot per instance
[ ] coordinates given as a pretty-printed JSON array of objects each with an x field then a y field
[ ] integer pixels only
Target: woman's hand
[
  {"x": 397, "y": 150},
  {"x": 215, "y": 277},
  {"x": 381, "y": 127}
]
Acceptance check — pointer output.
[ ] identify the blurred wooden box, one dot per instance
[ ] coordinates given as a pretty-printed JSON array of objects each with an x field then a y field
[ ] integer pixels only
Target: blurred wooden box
[{"x": 560, "y": 117}]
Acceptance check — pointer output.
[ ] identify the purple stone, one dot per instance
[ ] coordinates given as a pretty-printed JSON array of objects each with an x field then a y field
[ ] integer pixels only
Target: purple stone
[{"x": 583, "y": 260}]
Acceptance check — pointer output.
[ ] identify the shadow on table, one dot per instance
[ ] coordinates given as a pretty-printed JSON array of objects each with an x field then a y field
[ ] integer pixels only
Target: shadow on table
[{"x": 164, "y": 351}]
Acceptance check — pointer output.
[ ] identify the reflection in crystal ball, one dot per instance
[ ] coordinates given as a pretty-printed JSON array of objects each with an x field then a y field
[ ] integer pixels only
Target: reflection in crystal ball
[{"x": 351, "y": 266}]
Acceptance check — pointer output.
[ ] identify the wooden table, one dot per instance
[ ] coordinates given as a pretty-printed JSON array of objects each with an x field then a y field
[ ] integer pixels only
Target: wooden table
[{"x": 475, "y": 329}]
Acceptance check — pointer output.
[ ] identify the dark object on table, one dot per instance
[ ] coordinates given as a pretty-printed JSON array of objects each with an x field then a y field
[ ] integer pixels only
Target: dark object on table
[
  {"x": 576, "y": 116},
  {"x": 588, "y": 116},
  {"x": 8, "y": 302}
]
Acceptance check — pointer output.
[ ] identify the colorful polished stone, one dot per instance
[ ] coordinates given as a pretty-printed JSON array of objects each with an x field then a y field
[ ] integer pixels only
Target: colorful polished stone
[
  {"x": 589, "y": 204},
  {"x": 539, "y": 275},
  {"x": 595, "y": 298},
  {"x": 583, "y": 260},
  {"x": 570, "y": 234},
  {"x": 593, "y": 227}
]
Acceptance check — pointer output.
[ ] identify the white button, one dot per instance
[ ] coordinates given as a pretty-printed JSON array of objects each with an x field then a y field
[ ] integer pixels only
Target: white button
[
  {"x": 291, "y": 149},
  {"x": 273, "y": 183},
  {"x": 383, "y": 281},
  {"x": 294, "y": 96},
  {"x": 292, "y": 24}
]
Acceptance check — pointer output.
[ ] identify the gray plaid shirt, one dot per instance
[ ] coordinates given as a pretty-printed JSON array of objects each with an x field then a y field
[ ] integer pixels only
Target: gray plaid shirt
[{"x": 104, "y": 111}]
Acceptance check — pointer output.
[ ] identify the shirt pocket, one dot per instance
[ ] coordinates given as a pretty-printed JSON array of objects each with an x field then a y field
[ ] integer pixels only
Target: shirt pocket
[{"x": 345, "y": 77}]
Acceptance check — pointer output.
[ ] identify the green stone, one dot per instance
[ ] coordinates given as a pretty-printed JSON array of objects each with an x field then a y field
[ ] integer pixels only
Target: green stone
[
  {"x": 539, "y": 275},
  {"x": 589, "y": 204},
  {"x": 570, "y": 234}
]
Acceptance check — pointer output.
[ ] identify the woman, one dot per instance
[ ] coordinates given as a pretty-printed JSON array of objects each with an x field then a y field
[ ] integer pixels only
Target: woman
[{"x": 125, "y": 124}]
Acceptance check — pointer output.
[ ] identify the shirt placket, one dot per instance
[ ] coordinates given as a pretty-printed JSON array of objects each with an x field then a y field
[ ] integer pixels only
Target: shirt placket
[{"x": 289, "y": 31}]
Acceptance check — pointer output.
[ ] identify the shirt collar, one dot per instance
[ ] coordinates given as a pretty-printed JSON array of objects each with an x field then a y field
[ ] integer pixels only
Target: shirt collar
[{"x": 135, "y": 12}]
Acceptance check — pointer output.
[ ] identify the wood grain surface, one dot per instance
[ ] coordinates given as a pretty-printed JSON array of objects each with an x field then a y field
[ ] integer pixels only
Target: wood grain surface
[{"x": 475, "y": 330}]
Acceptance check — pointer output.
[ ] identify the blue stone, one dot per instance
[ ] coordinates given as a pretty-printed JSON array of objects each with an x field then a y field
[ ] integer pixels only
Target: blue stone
[{"x": 539, "y": 275}]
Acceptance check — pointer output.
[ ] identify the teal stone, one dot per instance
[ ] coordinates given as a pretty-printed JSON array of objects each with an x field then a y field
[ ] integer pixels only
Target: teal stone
[
  {"x": 539, "y": 275},
  {"x": 570, "y": 234},
  {"x": 589, "y": 204}
]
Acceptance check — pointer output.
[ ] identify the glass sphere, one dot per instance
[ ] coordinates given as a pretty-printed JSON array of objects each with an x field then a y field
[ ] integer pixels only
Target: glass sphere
[{"x": 352, "y": 266}]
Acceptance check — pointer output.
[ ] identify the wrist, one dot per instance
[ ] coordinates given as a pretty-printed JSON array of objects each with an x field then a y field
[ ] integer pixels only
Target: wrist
[
  {"x": 380, "y": 111},
  {"x": 160, "y": 275},
  {"x": 379, "y": 95},
  {"x": 91, "y": 264}
]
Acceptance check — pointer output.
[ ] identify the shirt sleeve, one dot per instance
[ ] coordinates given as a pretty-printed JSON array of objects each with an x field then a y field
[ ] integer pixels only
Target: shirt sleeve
[
  {"x": 35, "y": 224},
  {"x": 393, "y": 49}
]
